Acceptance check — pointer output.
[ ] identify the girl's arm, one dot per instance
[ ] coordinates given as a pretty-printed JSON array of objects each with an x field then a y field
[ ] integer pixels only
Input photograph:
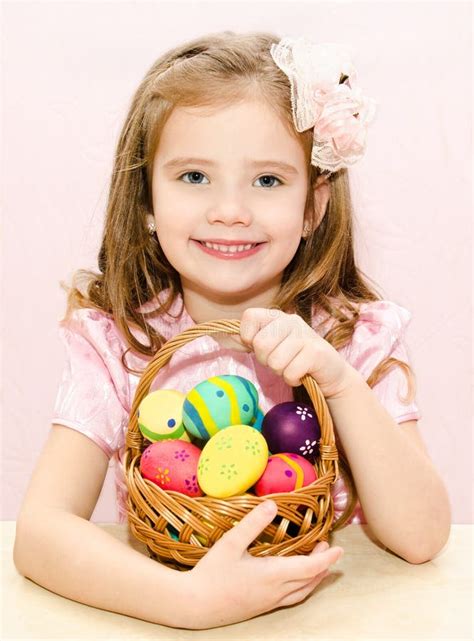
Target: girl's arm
[
  {"x": 57, "y": 547},
  {"x": 401, "y": 493}
]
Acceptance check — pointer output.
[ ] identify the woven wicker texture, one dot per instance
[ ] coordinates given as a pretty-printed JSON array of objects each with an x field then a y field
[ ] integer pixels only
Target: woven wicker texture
[{"x": 305, "y": 516}]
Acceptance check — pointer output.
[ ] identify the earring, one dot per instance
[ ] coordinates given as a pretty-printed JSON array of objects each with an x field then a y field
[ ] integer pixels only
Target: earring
[
  {"x": 151, "y": 228},
  {"x": 306, "y": 231}
]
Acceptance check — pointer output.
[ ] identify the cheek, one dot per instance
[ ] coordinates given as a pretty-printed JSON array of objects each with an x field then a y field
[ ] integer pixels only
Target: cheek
[
  {"x": 286, "y": 226},
  {"x": 169, "y": 204},
  {"x": 172, "y": 249},
  {"x": 288, "y": 244},
  {"x": 172, "y": 218},
  {"x": 286, "y": 213},
  {"x": 173, "y": 243},
  {"x": 287, "y": 235}
]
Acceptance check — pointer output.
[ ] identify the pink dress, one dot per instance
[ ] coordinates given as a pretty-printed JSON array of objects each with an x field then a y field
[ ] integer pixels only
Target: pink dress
[{"x": 96, "y": 392}]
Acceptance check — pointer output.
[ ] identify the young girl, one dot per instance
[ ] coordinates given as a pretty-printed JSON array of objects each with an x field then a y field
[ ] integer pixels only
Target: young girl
[{"x": 230, "y": 199}]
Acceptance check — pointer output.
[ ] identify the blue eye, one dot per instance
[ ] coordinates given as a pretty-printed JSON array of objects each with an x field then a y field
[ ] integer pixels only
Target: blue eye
[
  {"x": 271, "y": 178},
  {"x": 192, "y": 173},
  {"x": 197, "y": 174}
]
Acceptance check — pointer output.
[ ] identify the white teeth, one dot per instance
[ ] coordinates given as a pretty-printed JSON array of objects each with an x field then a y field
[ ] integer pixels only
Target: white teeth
[{"x": 228, "y": 248}]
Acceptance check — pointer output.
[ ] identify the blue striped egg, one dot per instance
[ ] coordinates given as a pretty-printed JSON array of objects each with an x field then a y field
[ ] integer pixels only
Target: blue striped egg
[
  {"x": 218, "y": 402},
  {"x": 258, "y": 420}
]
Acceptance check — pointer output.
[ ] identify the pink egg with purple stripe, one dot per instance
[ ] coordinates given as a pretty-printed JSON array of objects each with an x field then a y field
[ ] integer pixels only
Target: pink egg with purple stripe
[
  {"x": 285, "y": 472},
  {"x": 172, "y": 465}
]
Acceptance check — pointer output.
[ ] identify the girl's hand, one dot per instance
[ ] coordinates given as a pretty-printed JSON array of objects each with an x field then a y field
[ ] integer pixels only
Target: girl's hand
[
  {"x": 291, "y": 348},
  {"x": 229, "y": 585}
]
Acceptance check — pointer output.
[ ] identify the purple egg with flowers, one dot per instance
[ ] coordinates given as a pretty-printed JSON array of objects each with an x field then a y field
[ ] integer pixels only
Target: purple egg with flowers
[{"x": 292, "y": 427}]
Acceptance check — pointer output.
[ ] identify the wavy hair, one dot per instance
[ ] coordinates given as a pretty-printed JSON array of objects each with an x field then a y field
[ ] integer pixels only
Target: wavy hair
[{"x": 132, "y": 268}]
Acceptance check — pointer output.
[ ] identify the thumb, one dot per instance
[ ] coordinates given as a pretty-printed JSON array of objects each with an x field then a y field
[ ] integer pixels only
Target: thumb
[
  {"x": 247, "y": 530},
  {"x": 238, "y": 340}
]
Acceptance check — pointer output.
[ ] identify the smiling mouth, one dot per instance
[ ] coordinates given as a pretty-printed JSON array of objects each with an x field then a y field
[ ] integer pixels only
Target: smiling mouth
[
  {"x": 229, "y": 252},
  {"x": 228, "y": 248}
]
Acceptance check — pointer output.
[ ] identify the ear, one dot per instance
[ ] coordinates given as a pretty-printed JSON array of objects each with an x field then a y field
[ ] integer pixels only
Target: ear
[{"x": 321, "y": 192}]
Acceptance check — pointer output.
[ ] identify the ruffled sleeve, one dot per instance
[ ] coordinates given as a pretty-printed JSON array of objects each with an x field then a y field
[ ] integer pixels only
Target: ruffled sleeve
[
  {"x": 379, "y": 333},
  {"x": 94, "y": 393}
]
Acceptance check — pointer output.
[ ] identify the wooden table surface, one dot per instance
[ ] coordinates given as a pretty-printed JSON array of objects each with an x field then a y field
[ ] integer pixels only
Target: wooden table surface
[{"x": 372, "y": 594}]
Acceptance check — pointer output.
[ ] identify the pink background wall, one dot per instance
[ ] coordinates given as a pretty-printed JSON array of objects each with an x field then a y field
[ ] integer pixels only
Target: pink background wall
[{"x": 69, "y": 71}]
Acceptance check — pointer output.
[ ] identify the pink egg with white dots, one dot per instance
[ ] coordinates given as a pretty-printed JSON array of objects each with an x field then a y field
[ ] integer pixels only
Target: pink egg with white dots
[
  {"x": 285, "y": 472},
  {"x": 172, "y": 465}
]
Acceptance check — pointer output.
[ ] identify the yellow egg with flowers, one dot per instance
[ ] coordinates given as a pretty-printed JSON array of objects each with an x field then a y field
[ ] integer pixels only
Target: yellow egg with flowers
[{"x": 232, "y": 461}]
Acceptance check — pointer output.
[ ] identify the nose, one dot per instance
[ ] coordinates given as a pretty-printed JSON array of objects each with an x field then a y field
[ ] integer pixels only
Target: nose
[{"x": 229, "y": 208}]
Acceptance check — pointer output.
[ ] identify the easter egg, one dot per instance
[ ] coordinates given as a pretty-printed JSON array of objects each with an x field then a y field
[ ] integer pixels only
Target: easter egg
[
  {"x": 232, "y": 461},
  {"x": 218, "y": 402},
  {"x": 292, "y": 427},
  {"x": 172, "y": 465},
  {"x": 200, "y": 537},
  {"x": 160, "y": 416},
  {"x": 258, "y": 419},
  {"x": 204, "y": 539},
  {"x": 173, "y": 532},
  {"x": 198, "y": 442},
  {"x": 285, "y": 473}
]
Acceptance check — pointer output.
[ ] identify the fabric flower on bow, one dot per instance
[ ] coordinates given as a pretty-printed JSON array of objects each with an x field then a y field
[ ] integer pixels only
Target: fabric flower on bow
[{"x": 325, "y": 95}]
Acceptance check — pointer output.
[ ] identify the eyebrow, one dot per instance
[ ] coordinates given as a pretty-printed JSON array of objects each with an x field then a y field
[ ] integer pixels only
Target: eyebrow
[{"x": 188, "y": 160}]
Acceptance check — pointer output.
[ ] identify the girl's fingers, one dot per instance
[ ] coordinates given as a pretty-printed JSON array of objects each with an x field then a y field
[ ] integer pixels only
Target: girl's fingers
[
  {"x": 295, "y": 596},
  {"x": 322, "y": 546},
  {"x": 238, "y": 539},
  {"x": 304, "y": 567}
]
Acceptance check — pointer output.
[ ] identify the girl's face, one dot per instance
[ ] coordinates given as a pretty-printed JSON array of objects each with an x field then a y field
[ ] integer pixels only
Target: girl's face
[{"x": 217, "y": 177}]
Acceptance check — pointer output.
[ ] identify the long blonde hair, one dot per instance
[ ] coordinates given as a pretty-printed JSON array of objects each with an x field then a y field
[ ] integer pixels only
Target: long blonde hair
[{"x": 212, "y": 71}]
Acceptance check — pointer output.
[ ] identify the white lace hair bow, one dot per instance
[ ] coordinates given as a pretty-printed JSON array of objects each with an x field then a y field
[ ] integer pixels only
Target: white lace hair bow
[{"x": 325, "y": 95}]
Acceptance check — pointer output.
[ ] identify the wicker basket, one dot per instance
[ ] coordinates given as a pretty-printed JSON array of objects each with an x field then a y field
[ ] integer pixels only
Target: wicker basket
[{"x": 305, "y": 516}]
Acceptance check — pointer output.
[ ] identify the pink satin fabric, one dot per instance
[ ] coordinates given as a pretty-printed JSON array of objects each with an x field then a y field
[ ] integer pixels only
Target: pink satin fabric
[{"x": 96, "y": 392}]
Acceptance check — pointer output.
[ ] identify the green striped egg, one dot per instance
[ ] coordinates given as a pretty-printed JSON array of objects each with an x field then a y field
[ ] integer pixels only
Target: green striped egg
[
  {"x": 160, "y": 416},
  {"x": 257, "y": 423},
  {"x": 218, "y": 402}
]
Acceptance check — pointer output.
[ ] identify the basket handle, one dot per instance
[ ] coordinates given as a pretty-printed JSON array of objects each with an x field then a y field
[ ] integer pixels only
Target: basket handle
[{"x": 134, "y": 440}]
